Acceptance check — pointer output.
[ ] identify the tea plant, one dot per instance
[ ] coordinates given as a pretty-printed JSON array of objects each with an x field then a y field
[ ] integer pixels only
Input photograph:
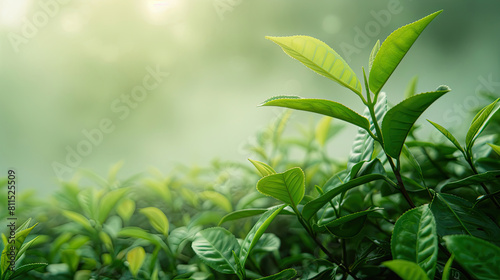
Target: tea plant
[{"x": 355, "y": 206}]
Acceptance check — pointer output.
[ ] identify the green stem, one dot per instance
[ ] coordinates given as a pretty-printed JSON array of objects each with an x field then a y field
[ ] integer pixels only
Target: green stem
[{"x": 402, "y": 188}]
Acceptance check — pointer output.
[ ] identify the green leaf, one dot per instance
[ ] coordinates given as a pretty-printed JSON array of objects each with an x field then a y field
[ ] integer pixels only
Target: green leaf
[
  {"x": 406, "y": 270},
  {"x": 373, "y": 54},
  {"x": 256, "y": 232},
  {"x": 480, "y": 258},
  {"x": 106, "y": 240},
  {"x": 312, "y": 207},
  {"x": 23, "y": 269},
  {"x": 157, "y": 219},
  {"x": 320, "y": 106},
  {"x": 268, "y": 242},
  {"x": 447, "y": 268},
  {"x": 448, "y": 135},
  {"x": 136, "y": 232},
  {"x": 414, "y": 239},
  {"x": 393, "y": 49},
  {"x": 320, "y": 58},
  {"x": 479, "y": 122},
  {"x": 414, "y": 163},
  {"x": 181, "y": 235},
  {"x": 486, "y": 177},
  {"x": 411, "y": 88},
  {"x": 455, "y": 215},
  {"x": 350, "y": 225},
  {"x": 20, "y": 236},
  {"x": 495, "y": 148},
  {"x": 399, "y": 119},
  {"x": 288, "y": 186},
  {"x": 218, "y": 199},
  {"x": 215, "y": 246},
  {"x": 282, "y": 275},
  {"x": 125, "y": 209},
  {"x": 263, "y": 168},
  {"x": 108, "y": 202},
  {"x": 135, "y": 258},
  {"x": 245, "y": 213},
  {"x": 322, "y": 130}
]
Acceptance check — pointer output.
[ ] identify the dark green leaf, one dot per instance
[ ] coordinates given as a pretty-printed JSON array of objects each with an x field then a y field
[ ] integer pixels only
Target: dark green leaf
[
  {"x": 399, "y": 119},
  {"x": 283, "y": 275},
  {"x": 215, "y": 246},
  {"x": 486, "y": 177},
  {"x": 20, "y": 271}
]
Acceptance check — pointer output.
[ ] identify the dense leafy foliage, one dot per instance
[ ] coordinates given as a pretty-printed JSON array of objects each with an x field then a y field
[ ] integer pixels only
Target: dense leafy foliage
[{"x": 397, "y": 207}]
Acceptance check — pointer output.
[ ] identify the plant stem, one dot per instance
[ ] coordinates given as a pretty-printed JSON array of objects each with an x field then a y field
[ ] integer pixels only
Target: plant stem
[
  {"x": 474, "y": 170},
  {"x": 400, "y": 182}
]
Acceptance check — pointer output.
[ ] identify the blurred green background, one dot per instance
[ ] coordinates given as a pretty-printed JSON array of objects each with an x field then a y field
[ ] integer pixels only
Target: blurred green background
[{"x": 67, "y": 67}]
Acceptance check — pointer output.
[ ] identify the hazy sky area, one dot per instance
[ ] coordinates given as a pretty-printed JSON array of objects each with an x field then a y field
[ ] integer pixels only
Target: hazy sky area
[{"x": 85, "y": 84}]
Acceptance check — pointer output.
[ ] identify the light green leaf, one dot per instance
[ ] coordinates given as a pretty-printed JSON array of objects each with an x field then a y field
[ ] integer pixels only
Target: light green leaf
[
  {"x": 109, "y": 201},
  {"x": 479, "y": 122},
  {"x": 447, "y": 268},
  {"x": 135, "y": 258},
  {"x": 215, "y": 246},
  {"x": 480, "y": 258},
  {"x": 455, "y": 215},
  {"x": 399, "y": 119},
  {"x": 256, "y": 232},
  {"x": 288, "y": 186},
  {"x": 448, "y": 135},
  {"x": 106, "y": 240},
  {"x": 282, "y": 275},
  {"x": 393, "y": 49},
  {"x": 373, "y": 54},
  {"x": 406, "y": 270},
  {"x": 320, "y": 106},
  {"x": 320, "y": 58},
  {"x": 322, "y": 130},
  {"x": 495, "y": 148},
  {"x": 263, "y": 168},
  {"x": 312, "y": 207},
  {"x": 411, "y": 88},
  {"x": 486, "y": 177},
  {"x": 414, "y": 239},
  {"x": 21, "y": 234},
  {"x": 157, "y": 219},
  {"x": 78, "y": 218},
  {"x": 125, "y": 209},
  {"x": 217, "y": 199},
  {"x": 245, "y": 213}
]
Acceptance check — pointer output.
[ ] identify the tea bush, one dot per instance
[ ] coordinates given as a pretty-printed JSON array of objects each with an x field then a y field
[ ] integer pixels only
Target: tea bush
[{"x": 398, "y": 206}]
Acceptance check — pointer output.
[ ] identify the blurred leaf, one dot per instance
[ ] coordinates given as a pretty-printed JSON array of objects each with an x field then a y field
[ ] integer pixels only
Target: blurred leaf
[
  {"x": 71, "y": 258},
  {"x": 495, "y": 148},
  {"x": 478, "y": 124},
  {"x": 393, "y": 49},
  {"x": 215, "y": 246},
  {"x": 78, "y": 218},
  {"x": 217, "y": 199},
  {"x": 320, "y": 106},
  {"x": 282, "y": 275},
  {"x": 20, "y": 235},
  {"x": 136, "y": 232},
  {"x": 245, "y": 213},
  {"x": 455, "y": 215},
  {"x": 480, "y": 258},
  {"x": 406, "y": 270},
  {"x": 125, "y": 209},
  {"x": 373, "y": 54},
  {"x": 320, "y": 58},
  {"x": 256, "y": 232},
  {"x": 23, "y": 269},
  {"x": 322, "y": 129},
  {"x": 349, "y": 225},
  {"x": 411, "y": 88},
  {"x": 399, "y": 119},
  {"x": 181, "y": 235},
  {"x": 135, "y": 258},
  {"x": 486, "y": 177},
  {"x": 109, "y": 201},
  {"x": 414, "y": 239},
  {"x": 268, "y": 242},
  {"x": 106, "y": 240},
  {"x": 287, "y": 186},
  {"x": 263, "y": 168},
  {"x": 157, "y": 219}
]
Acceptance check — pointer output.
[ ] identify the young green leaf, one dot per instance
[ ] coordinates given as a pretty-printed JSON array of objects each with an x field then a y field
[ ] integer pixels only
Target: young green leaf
[
  {"x": 282, "y": 275},
  {"x": 393, "y": 49},
  {"x": 215, "y": 246},
  {"x": 263, "y": 168},
  {"x": 108, "y": 202},
  {"x": 245, "y": 213},
  {"x": 455, "y": 215},
  {"x": 373, "y": 54},
  {"x": 135, "y": 258},
  {"x": 125, "y": 209},
  {"x": 288, "y": 186},
  {"x": 479, "y": 122},
  {"x": 400, "y": 118},
  {"x": 448, "y": 135},
  {"x": 495, "y": 148},
  {"x": 256, "y": 232},
  {"x": 320, "y": 58},
  {"x": 78, "y": 218},
  {"x": 312, "y": 207},
  {"x": 447, "y": 268},
  {"x": 157, "y": 219},
  {"x": 320, "y": 106},
  {"x": 406, "y": 270},
  {"x": 414, "y": 239},
  {"x": 411, "y": 88},
  {"x": 480, "y": 258},
  {"x": 218, "y": 199}
]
